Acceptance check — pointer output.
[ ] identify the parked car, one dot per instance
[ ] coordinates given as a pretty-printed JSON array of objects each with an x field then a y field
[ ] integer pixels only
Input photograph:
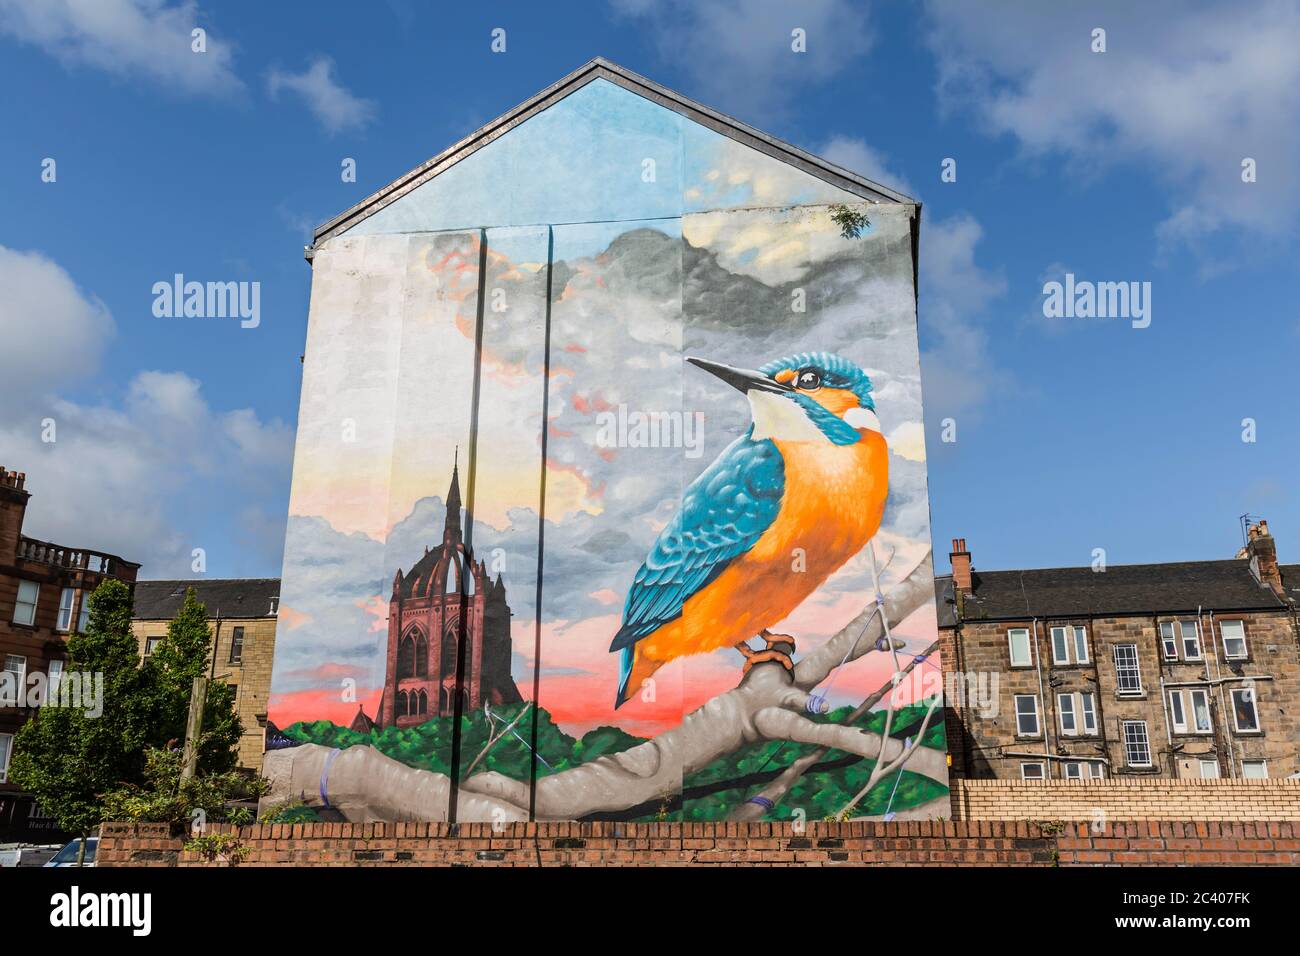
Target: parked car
[
  {"x": 26, "y": 854},
  {"x": 68, "y": 855}
]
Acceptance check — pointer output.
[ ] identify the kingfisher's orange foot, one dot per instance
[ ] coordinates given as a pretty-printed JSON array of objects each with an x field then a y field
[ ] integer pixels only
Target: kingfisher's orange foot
[{"x": 780, "y": 648}]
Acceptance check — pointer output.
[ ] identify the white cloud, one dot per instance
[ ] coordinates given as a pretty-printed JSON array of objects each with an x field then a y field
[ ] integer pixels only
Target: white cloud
[
  {"x": 139, "y": 477},
  {"x": 127, "y": 38},
  {"x": 336, "y": 107},
  {"x": 857, "y": 157},
  {"x": 738, "y": 53},
  {"x": 1184, "y": 91},
  {"x": 54, "y": 334},
  {"x": 955, "y": 293}
]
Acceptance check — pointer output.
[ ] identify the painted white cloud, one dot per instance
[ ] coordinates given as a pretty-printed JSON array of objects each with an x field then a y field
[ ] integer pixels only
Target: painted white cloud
[
  {"x": 334, "y": 106},
  {"x": 1184, "y": 92},
  {"x": 128, "y": 38},
  {"x": 738, "y": 53},
  {"x": 54, "y": 333}
]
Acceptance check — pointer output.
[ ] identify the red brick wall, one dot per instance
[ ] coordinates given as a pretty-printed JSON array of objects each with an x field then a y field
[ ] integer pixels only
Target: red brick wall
[{"x": 914, "y": 843}]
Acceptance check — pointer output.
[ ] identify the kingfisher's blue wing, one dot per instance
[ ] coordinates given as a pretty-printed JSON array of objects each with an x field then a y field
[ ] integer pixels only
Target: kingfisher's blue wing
[{"x": 724, "y": 511}]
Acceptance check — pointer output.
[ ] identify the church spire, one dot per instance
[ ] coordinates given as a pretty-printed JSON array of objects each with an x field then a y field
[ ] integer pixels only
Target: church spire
[{"x": 451, "y": 530}]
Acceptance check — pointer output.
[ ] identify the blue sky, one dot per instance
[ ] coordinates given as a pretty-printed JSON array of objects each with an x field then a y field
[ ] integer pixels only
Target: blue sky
[{"x": 1072, "y": 434}]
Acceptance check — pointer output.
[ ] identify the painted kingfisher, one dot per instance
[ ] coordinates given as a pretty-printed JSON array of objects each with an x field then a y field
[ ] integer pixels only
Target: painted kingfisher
[{"x": 781, "y": 509}]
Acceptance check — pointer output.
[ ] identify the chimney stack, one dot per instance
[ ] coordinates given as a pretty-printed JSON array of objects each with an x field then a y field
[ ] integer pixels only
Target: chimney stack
[
  {"x": 959, "y": 558},
  {"x": 13, "y": 506},
  {"x": 1262, "y": 552}
]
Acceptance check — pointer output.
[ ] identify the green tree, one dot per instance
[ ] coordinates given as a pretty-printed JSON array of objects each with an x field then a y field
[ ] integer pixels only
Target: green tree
[{"x": 70, "y": 758}]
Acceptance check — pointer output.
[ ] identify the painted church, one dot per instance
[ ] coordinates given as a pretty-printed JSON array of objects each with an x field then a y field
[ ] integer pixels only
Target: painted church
[{"x": 443, "y": 593}]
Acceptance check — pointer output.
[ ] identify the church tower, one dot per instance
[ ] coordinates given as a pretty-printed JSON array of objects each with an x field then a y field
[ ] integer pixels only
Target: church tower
[{"x": 444, "y": 593}]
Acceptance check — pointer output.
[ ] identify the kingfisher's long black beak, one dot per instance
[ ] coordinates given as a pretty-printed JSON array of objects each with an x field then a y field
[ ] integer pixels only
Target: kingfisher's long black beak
[{"x": 744, "y": 379}]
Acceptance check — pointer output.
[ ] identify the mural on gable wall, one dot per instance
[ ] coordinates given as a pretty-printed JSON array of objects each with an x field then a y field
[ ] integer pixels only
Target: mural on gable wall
[{"x": 582, "y": 528}]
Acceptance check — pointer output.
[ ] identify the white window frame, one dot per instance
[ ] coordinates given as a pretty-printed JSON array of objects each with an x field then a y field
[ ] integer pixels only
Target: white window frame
[
  {"x": 6, "y": 751},
  {"x": 1027, "y": 765},
  {"x": 1184, "y": 637},
  {"x": 18, "y": 682},
  {"x": 1251, "y": 698},
  {"x": 34, "y": 589},
  {"x": 66, "y": 599},
  {"x": 1082, "y": 649},
  {"x": 83, "y": 612},
  {"x": 1012, "y": 633},
  {"x": 1038, "y": 721},
  {"x": 1074, "y": 770},
  {"x": 53, "y": 674},
  {"x": 1168, "y": 641},
  {"x": 1210, "y": 764},
  {"x": 1223, "y": 634},
  {"x": 1192, "y": 694},
  {"x": 1096, "y": 770},
  {"x": 1136, "y": 669},
  {"x": 1074, "y": 639},
  {"x": 1146, "y": 742},
  {"x": 1088, "y": 711},
  {"x": 1177, "y": 712},
  {"x": 1262, "y": 764},
  {"x": 1067, "y": 707}
]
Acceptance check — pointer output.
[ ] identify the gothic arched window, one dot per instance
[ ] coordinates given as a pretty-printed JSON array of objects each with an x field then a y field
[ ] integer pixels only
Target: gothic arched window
[
  {"x": 424, "y": 703},
  {"x": 401, "y": 704},
  {"x": 421, "y": 655},
  {"x": 406, "y": 657},
  {"x": 449, "y": 651}
]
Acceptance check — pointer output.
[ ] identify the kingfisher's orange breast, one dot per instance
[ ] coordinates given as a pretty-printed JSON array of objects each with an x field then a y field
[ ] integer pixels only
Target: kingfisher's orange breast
[{"x": 832, "y": 505}]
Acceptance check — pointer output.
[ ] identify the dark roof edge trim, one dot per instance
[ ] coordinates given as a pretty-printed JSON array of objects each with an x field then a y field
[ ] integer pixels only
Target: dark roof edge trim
[{"x": 600, "y": 68}]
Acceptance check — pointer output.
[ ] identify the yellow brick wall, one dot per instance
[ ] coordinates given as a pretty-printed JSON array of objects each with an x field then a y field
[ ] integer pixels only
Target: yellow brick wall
[
  {"x": 251, "y": 677},
  {"x": 1122, "y": 799}
]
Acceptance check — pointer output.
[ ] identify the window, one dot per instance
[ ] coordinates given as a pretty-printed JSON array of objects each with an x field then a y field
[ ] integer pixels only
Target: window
[
  {"x": 65, "y": 609},
  {"x": 1250, "y": 769},
  {"x": 53, "y": 674},
  {"x": 1021, "y": 656},
  {"x": 1096, "y": 770},
  {"x": 1073, "y": 770},
  {"x": 13, "y": 680},
  {"x": 1069, "y": 721},
  {"x": 275, "y": 605},
  {"x": 1234, "y": 639},
  {"x": 1209, "y": 770},
  {"x": 1168, "y": 640},
  {"x": 1069, "y": 645},
  {"x": 237, "y": 646},
  {"x": 83, "y": 616},
  {"x": 151, "y": 645},
  {"x": 1191, "y": 640},
  {"x": 1128, "y": 677},
  {"x": 25, "y": 608},
  {"x": 1083, "y": 769},
  {"x": 1031, "y": 771},
  {"x": 1244, "y": 716},
  {"x": 1137, "y": 746},
  {"x": 1027, "y": 715},
  {"x": 1088, "y": 708},
  {"x": 1190, "y": 711},
  {"x": 6, "y": 745}
]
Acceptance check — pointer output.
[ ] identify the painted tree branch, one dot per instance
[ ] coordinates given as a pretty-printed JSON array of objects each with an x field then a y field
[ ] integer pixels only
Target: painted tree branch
[
  {"x": 362, "y": 783},
  {"x": 775, "y": 791}
]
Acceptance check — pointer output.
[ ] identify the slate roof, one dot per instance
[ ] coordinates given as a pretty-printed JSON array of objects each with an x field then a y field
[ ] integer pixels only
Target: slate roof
[
  {"x": 1291, "y": 580},
  {"x": 1121, "y": 589},
  {"x": 227, "y": 597}
]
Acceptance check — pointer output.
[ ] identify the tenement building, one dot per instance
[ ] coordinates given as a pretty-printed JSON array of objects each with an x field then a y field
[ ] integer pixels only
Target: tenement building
[
  {"x": 241, "y": 617},
  {"x": 1189, "y": 669},
  {"x": 43, "y": 598}
]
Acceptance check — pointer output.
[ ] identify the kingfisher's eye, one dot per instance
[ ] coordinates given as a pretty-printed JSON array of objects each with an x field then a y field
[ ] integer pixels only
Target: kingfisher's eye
[{"x": 808, "y": 380}]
